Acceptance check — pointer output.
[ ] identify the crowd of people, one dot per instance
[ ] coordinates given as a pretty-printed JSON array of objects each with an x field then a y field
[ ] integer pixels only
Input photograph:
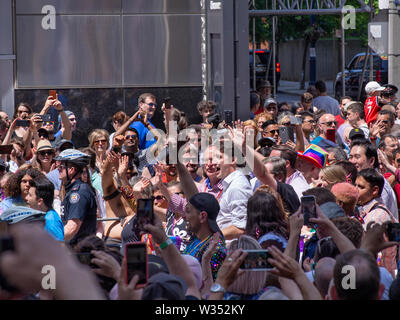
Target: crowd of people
[{"x": 199, "y": 198}]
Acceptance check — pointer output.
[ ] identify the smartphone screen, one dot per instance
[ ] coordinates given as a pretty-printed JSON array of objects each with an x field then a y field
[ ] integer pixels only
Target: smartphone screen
[
  {"x": 286, "y": 134},
  {"x": 295, "y": 120},
  {"x": 393, "y": 232},
  {"x": 145, "y": 213},
  {"x": 256, "y": 260},
  {"x": 228, "y": 117},
  {"x": 309, "y": 209},
  {"x": 6, "y": 149},
  {"x": 136, "y": 262},
  {"x": 53, "y": 94},
  {"x": 22, "y": 123},
  {"x": 331, "y": 135},
  {"x": 167, "y": 103}
]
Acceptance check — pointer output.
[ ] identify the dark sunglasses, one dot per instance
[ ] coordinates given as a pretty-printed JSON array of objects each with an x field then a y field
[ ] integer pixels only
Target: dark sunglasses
[
  {"x": 329, "y": 123},
  {"x": 102, "y": 141},
  {"x": 130, "y": 136},
  {"x": 49, "y": 152},
  {"x": 159, "y": 198},
  {"x": 273, "y": 131},
  {"x": 47, "y": 123},
  {"x": 151, "y": 104}
]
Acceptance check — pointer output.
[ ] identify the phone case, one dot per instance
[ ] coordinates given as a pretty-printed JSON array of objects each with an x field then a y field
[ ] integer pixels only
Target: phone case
[{"x": 126, "y": 276}]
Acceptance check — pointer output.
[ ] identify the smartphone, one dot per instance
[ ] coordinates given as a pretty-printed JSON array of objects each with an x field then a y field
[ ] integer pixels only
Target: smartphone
[
  {"x": 145, "y": 213},
  {"x": 22, "y": 123},
  {"x": 45, "y": 117},
  {"x": 331, "y": 135},
  {"x": 309, "y": 209},
  {"x": 228, "y": 117},
  {"x": 286, "y": 134},
  {"x": 6, "y": 149},
  {"x": 86, "y": 258},
  {"x": 167, "y": 103},
  {"x": 393, "y": 232},
  {"x": 53, "y": 94},
  {"x": 256, "y": 260},
  {"x": 295, "y": 120},
  {"x": 136, "y": 263}
]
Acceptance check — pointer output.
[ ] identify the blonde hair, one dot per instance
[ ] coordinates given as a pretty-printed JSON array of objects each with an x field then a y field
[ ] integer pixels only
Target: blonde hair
[
  {"x": 253, "y": 124},
  {"x": 249, "y": 282},
  {"x": 334, "y": 174},
  {"x": 98, "y": 133},
  {"x": 265, "y": 115}
]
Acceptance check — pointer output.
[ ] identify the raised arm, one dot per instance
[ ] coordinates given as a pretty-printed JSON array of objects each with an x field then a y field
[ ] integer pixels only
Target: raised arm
[{"x": 67, "y": 134}]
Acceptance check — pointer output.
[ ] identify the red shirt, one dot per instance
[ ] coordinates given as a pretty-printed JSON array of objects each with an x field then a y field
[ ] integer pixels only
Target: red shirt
[
  {"x": 371, "y": 109},
  {"x": 339, "y": 120}
]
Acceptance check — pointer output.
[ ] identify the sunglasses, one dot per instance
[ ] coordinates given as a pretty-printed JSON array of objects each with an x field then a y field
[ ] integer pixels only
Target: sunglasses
[
  {"x": 130, "y": 136},
  {"x": 103, "y": 141},
  {"x": 178, "y": 193},
  {"x": 330, "y": 123},
  {"x": 49, "y": 152},
  {"x": 48, "y": 123},
  {"x": 273, "y": 131},
  {"x": 286, "y": 124},
  {"x": 151, "y": 104},
  {"x": 159, "y": 198}
]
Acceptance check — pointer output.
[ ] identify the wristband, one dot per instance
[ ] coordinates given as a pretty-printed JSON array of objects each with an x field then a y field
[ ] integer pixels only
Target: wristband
[{"x": 166, "y": 243}]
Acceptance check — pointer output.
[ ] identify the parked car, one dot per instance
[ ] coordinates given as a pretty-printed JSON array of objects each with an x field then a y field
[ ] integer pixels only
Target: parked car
[
  {"x": 262, "y": 56},
  {"x": 353, "y": 73}
]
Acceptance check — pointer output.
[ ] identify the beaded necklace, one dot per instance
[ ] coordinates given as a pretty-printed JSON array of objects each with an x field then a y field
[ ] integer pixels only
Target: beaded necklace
[{"x": 201, "y": 244}]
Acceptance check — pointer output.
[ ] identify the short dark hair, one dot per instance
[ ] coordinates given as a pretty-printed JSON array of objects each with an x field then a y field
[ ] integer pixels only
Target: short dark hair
[
  {"x": 206, "y": 104},
  {"x": 44, "y": 189},
  {"x": 367, "y": 279},
  {"x": 305, "y": 114},
  {"x": 339, "y": 153},
  {"x": 373, "y": 178},
  {"x": 351, "y": 228},
  {"x": 369, "y": 148},
  {"x": 350, "y": 168},
  {"x": 392, "y": 116},
  {"x": 287, "y": 153},
  {"x": 320, "y": 86},
  {"x": 268, "y": 123},
  {"x": 345, "y": 97},
  {"x": 131, "y": 129},
  {"x": 357, "y": 107},
  {"x": 321, "y": 195}
]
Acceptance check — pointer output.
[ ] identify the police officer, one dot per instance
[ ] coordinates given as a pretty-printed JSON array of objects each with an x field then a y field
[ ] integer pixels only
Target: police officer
[{"x": 79, "y": 205}]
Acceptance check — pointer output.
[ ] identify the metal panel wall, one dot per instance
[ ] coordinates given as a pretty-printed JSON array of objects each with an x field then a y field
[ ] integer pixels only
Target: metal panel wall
[
  {"x": 162, "y": 49},
  {"x": 70, "y": 6},
  {"x": 161, "y": 6},
  {"x": 82, "y": 51},
  {"x": 6, "y": 41}
]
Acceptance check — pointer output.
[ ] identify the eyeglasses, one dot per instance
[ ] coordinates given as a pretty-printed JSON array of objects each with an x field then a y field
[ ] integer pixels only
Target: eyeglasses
[
  {"x": 130, "y": 136},
  {"x": 48, "y": 123},
  {"x": 271, "y": 108},
  {"x": 102, "y": 141},
  {"x": 330, "y": 123},
  {"x": 151, "y": 104},
  {"x": 49, "y": 152},
  {"x": 385, "y": 121},
  {"x": 286, "y": 124}
]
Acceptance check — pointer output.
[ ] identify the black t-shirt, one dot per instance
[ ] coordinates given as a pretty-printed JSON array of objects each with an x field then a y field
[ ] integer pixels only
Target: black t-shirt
[
  {"x": 80, "y": 203},
  {"x": 177, "y": 228},
  {"x": 289, "y": 197}
]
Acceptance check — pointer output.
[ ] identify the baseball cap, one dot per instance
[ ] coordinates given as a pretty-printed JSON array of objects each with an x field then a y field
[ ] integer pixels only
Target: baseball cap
[
  {"x": 373, "y": 86},
  {"x": 62, "y": 143},
  {"x": 206, "y": 202},
  {"x": 390, "y": 90},
  {"x": 263, "y": 84},
  {"x": 165, "y": 286},
  {"x": 356, "y": 133},
  {"x": 270, "y": 101},
  {"x": 156, "y": 265}
]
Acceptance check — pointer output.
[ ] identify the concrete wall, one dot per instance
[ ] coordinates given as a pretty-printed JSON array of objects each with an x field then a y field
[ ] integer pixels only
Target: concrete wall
[{"x": 328, "y": 58}]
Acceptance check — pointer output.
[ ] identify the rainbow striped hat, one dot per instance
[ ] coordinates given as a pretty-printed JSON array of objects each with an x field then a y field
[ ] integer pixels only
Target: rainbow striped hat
[{"x": 315, "y": 155}]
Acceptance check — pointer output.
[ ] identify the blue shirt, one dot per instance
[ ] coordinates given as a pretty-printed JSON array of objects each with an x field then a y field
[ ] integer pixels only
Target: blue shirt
[
  {"x": 54, "y": 177},
  {"x": 54, "y": 225},
  {"x": 143, "y": 131}
]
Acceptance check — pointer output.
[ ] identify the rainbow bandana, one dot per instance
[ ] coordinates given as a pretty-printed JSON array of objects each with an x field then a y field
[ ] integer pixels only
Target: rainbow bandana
[{"x": 315, "y": 155}]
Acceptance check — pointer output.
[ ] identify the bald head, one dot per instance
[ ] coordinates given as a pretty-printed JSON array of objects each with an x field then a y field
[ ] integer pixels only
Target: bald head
[
  {"x": 324, "y": 274},
  {"x": 327, "y": 121}
]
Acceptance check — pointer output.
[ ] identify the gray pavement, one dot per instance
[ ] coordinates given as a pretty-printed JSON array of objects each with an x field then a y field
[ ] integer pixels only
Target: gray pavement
[{"x": 293, "y": 87}]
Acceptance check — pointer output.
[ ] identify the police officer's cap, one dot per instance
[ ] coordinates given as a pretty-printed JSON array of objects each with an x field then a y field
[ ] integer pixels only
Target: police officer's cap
[{"x": 74, "y": 156}]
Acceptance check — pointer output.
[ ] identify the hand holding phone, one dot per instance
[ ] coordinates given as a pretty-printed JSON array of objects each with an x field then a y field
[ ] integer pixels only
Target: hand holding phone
[
  {"x": 309, "y": 209},
  {"x": 228, "y": 117},
  {"x": 331, "y": 135},
  {"x": 145, "y": 214},
  {"x": 136, "y": 263},
  {"x": 22, "y": 123},
  {"x": 256, "y": 260},
  {"x": 53, "y": 94}
]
